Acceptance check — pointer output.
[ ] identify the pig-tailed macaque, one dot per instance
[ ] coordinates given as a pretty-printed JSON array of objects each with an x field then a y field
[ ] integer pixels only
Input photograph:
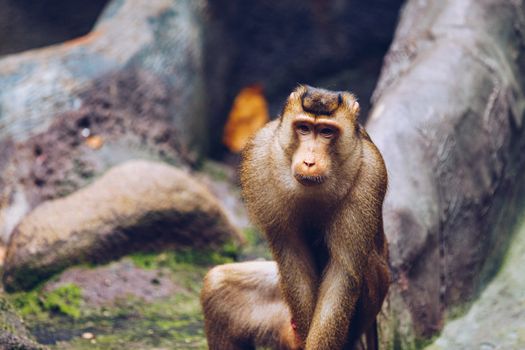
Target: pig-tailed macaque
[{"x": 314, "y": 183}]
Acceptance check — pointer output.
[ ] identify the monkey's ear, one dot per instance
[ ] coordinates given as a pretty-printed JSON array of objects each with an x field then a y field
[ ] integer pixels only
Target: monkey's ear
[
  {"x": 298, "y": 93},
  {"x": 351, "y": 106},
  {"x": 293, "y": 102},
  {"x": 355, "y": 108}
]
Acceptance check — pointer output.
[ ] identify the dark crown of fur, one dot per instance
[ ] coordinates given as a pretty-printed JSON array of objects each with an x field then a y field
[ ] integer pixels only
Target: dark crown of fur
[{"x": 320, "y": 101}]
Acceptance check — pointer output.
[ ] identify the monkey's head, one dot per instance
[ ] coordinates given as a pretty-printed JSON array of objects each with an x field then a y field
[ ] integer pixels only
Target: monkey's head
[{"x": 320, "y": 135}]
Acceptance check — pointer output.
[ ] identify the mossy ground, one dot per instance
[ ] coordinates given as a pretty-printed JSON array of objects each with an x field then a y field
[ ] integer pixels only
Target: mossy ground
[{"x": 61, "y": 320}]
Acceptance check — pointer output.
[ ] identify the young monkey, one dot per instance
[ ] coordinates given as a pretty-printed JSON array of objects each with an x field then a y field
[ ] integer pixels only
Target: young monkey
[{"x": 314, "y": 182}]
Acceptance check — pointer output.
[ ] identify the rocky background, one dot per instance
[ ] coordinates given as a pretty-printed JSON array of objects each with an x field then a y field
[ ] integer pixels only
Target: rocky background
[{"x": 118, "y": 190}]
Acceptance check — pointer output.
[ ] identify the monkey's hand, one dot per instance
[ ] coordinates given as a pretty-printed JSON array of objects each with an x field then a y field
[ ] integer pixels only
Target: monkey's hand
[{"x": 290, "y": 338}]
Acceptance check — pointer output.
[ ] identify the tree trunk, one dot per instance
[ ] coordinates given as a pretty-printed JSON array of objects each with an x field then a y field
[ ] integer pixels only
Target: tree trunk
[{"x": 448, "y": 118}]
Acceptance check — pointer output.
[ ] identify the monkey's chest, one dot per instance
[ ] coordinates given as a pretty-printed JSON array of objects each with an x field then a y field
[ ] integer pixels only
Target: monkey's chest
[{"x": 317, "y": 248}]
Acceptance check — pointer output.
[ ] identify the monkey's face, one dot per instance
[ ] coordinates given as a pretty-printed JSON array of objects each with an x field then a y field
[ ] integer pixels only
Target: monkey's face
[
  {"x": 311, "y": 160},
  {"x": 320, "y": 128}
]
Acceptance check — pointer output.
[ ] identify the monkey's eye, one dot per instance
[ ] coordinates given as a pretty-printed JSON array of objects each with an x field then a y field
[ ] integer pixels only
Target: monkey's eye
[
  {"x": 327, "y": 132},
  {"x": 303, "y": 129}
]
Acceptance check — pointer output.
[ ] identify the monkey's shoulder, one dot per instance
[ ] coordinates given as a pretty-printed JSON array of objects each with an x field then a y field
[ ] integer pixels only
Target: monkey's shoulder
[
  {"x": 257, "y": 147},
  {"x": 256, "y": 153},
  {"x": 374, "y": 165},
  {"x": 266, "y": 133},
  {"x": 363, "y": 134}
]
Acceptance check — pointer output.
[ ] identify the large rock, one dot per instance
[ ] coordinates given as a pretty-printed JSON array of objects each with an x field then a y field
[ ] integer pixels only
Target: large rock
[
  {"x": 497, "y": 319},
  {"x": 159, "y": 36},
  {"x": 448, "y": 118},
  {"x": 132, "y": 88},
  {"x": 136, "y": 206},
  {"x": 25, "y": 24}
]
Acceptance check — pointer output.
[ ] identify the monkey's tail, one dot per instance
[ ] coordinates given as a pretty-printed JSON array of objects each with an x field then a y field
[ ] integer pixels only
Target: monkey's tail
[{"x": 372, "y": 338}]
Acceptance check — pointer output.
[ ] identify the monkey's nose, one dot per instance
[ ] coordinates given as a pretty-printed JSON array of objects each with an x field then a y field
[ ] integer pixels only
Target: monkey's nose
[{"x": 309, "y": 163}]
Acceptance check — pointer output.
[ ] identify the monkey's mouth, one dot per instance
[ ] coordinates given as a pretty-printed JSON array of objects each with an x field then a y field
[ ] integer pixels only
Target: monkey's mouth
[{"x": 310, "y": 180}]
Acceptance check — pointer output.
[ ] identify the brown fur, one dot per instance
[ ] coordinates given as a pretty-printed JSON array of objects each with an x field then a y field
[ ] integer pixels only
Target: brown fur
[
  {"x": 243, "y": 307},
  {"x": 321, "y": 102},
  {"x": 325, "y": 233}
]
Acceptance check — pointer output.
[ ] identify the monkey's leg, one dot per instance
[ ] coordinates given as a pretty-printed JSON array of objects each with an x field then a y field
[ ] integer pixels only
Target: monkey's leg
[
  {"x": 377, "y": 281},
  {"x": 243, "y": 307},
  {"x": 375, "y": 288}
]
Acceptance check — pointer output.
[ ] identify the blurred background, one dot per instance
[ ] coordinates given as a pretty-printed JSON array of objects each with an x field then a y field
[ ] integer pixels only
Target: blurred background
[{"x": 121, "y": 124}]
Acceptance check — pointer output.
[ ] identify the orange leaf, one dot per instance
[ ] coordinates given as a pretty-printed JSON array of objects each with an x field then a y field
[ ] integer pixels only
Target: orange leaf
[
  {"x": 94, "y": 142},
  {"x": 249, "y": 113}
]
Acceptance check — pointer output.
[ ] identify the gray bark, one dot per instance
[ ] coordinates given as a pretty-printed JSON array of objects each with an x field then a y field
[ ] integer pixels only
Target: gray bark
[{"x": 448, "y": 119}]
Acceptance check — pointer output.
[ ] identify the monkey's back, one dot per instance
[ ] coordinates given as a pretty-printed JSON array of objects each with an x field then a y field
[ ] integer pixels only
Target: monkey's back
[{"x": 257, "y": 177}]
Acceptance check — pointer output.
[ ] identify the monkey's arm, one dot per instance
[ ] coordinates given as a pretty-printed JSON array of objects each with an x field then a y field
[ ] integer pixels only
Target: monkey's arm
[
  {"x": 298, "y": 277},
  {"x": 338, "y": 294},
  {"x": 335, "y": 307},
  {"x": 350, "y": 240}
]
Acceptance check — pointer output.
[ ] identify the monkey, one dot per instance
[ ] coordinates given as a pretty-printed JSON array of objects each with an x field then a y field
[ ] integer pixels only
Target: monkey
[
  {"x": 314, "y": 182},
  {"x": 243, "y": 308},
  {"x": 302, "y": 211}
]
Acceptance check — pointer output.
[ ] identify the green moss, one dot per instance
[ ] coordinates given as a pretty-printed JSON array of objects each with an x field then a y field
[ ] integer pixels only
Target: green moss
[
  {"x": 65, "y": 300},
  {"x": 4, "y": 305},
  {"x": 27, "y": 303},
  {"x": 252, "y": 235},
  {"x": 458, "y": 311},
  {"x": 174, "y": 259},
  {"x": 6, "y": 315},
  {"x": 173, "y": 323},
  {"x": 397, "y": 344},
  {"x": 146, "y": 260},
  {"x": 230, "y": 251},
  {"x": 421, "y": 343},
  {"x": 257, "y": 246},
  {"x": 201, "y": 258},
  {"x": 131, "y": 323}
]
